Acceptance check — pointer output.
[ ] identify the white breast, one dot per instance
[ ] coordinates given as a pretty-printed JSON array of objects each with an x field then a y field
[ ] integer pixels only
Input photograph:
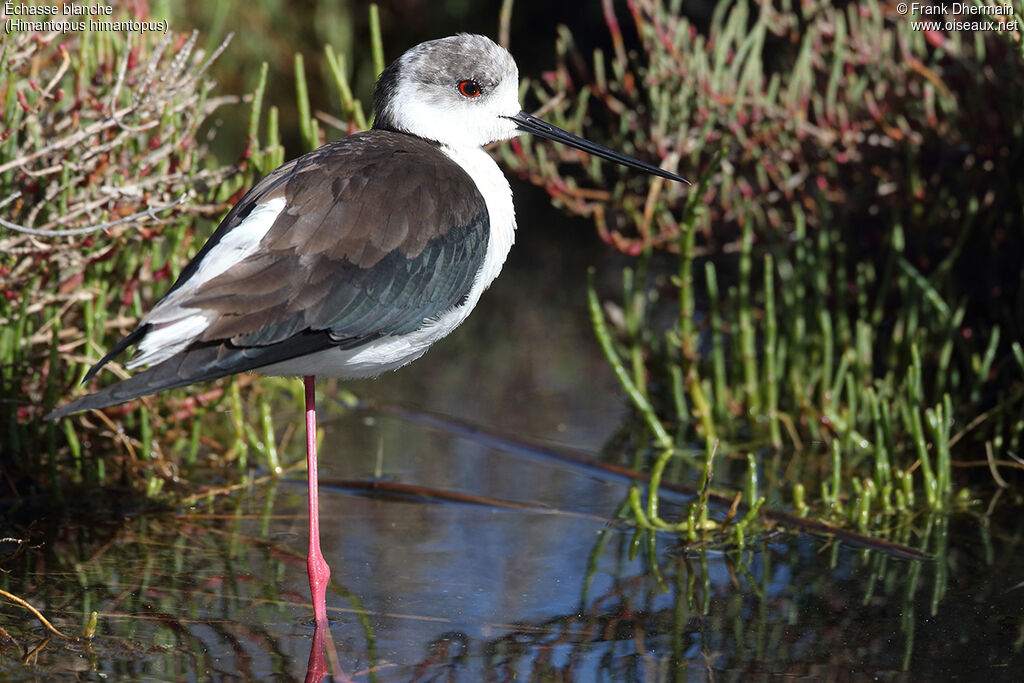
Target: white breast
[{"x": 498, "y": 195}]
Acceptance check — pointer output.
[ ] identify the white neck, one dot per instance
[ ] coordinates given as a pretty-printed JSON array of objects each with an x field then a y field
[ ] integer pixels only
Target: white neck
[{"x": 498, "y": 195}]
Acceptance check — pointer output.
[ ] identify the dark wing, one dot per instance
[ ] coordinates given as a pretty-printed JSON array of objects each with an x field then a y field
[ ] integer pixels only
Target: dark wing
[{"x": 380, "y": 233}]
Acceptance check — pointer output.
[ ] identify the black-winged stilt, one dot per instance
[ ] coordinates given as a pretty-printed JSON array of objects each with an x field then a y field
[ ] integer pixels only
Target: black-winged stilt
[{"x": 353, "y": 259}]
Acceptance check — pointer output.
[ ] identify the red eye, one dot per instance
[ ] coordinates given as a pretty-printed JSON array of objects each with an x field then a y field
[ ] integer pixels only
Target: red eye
[{"x": 469, "y": 88}]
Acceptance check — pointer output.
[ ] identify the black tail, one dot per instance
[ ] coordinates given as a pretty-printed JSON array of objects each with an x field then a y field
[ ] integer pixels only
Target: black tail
[
  {"x": 120, "y": 346},
  {"x": 197, "y": 364},
  {"x": 174, "y": 372}
]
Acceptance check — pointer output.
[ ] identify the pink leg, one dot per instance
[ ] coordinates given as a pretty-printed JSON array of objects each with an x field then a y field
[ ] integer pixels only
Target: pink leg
[{"x": 316, "y": 565}]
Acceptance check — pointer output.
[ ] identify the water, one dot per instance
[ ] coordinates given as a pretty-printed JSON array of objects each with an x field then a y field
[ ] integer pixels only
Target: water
[{"x": 536, "y": 584}]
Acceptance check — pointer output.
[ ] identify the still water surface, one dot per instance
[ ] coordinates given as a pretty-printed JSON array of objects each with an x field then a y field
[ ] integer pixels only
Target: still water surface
[{"x": 537, "y": 584}]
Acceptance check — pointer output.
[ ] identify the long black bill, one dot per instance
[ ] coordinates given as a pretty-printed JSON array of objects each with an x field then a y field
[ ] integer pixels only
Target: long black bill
[{"x": 540, "y": 128}]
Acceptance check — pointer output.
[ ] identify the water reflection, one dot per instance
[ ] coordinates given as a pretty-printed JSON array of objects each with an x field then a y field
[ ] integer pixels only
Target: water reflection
[{"x": 545, "y": 589}]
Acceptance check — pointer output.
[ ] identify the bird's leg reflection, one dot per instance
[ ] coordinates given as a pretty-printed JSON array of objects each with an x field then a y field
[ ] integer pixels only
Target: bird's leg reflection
[
  {"x": 320, "y": 651},
  {"x": 316, "y": 667}
]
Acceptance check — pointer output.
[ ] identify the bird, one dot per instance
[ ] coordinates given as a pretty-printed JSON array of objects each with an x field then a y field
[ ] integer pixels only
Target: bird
[{"x": 353, "y": 259}]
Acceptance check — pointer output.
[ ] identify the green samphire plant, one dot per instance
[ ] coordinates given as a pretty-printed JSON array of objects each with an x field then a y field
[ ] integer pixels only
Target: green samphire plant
[{"x": 844, "y": 284}]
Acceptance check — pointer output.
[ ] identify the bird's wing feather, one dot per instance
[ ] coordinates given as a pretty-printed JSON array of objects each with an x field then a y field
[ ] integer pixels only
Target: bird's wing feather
[{"x": 379, "y": 232}]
